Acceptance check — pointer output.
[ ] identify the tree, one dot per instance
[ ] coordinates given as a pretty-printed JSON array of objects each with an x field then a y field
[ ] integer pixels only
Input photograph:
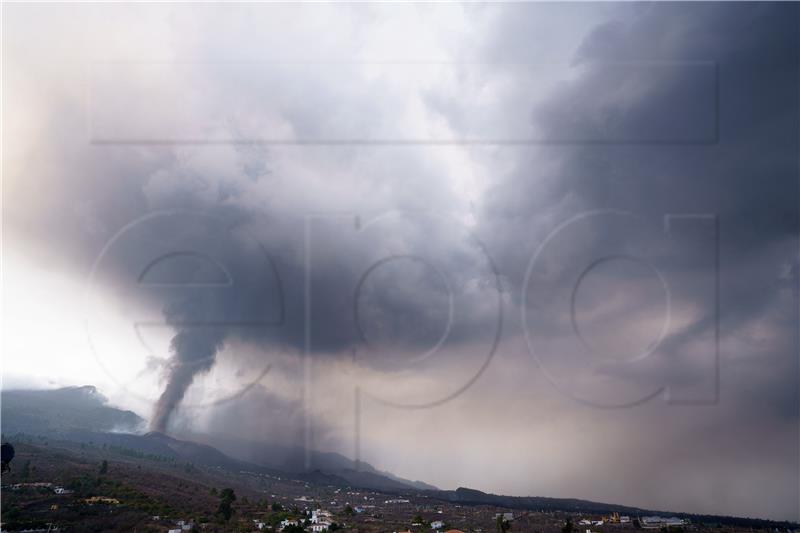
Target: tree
[
  {"x": 348, "y": 510},
  {"x": 227, "y": 494},
  {"x": 226, "y": 499},
  {"x": 292, "y": 528},
  {"x": 104, "y": 467},
  {"x": 276, "y": 507},
  {"x": 7, "y": 452},
  {"x": 26, "y": 470},
  {"x": 503, "y": 525},
  {"x": 567, "y": 526}
]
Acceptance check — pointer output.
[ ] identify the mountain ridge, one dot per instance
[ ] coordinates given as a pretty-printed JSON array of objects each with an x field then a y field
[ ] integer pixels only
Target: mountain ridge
[
  {"x": 81, "y": 414},
  {"x": 50, "y": 413}
]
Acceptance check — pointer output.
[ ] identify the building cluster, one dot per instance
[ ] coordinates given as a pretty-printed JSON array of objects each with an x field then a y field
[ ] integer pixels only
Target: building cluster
[
  {"x": 101, "y": 499},
  {"x": 614, "y": 518},
  {"x": 38, "y": 485},
  {"x": 645, "y": 522},
  {"x": 182, "y": 525},
  {"x": 320, "y": 520},
  {"x": 657, "y": 522}
]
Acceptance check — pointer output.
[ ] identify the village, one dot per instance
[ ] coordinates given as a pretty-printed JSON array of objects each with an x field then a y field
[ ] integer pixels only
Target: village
[
  {"x": 288, "y": 505},
  {"x": 301, "y": 506},
  {"x": 72, "y": 487}
]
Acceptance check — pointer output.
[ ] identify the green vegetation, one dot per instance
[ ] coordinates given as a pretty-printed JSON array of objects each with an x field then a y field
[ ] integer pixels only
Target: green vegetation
[
  {"x": 25, "y": 473},
  {"x": 503, "y": 525},
  {"x": 227, "y": 497},
  {"x": 276, "y": 518},
  {"x": 130, "y": 452}
]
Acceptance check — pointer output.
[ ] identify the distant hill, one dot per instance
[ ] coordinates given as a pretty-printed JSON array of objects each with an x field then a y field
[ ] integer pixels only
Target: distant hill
[
  {"x": 187, "y": 451},
  {"x": 538, "y": 503},
  {"x": 81, "y": 414},
  {"x": 58, "y": 411},
  {"x": 155, "y": 443},
  {"x": 293, "y": 459},
  {"x": 466, "y": 496}
]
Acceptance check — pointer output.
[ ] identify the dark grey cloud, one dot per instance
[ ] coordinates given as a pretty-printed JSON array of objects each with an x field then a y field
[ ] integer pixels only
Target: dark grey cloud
[
  {"x": 731, "y": 159},
  {"x": 745, "y": 178}
]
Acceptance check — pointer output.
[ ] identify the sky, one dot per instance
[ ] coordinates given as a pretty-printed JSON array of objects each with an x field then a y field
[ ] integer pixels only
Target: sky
[{"x": 534, "y": 249}]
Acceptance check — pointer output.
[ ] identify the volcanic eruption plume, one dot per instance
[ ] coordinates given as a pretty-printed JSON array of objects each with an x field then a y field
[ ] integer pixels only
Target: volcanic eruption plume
[{"x": 193, "y": 351}]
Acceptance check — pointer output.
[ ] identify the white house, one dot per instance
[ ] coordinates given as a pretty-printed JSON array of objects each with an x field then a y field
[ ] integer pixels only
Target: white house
[
  {"x": 318, "y": 516},
  {"x": 437, "y": 524},
  {"x": 320, "y": 526}
]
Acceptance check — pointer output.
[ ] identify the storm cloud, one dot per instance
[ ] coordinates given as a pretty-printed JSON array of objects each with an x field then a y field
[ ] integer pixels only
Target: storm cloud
[{"x": 538, "y": 219}]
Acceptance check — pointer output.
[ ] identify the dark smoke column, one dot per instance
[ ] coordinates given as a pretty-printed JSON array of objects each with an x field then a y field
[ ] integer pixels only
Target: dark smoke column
[{"x": 194, "y": 349}]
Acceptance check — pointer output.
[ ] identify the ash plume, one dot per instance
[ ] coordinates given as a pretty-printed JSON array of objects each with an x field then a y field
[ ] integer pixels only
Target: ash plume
[{"x": 194, "y": 349}]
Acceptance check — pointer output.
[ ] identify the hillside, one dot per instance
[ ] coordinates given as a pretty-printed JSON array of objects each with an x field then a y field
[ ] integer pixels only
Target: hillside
[
  {"x": 293, "y": 459},
  {"x": 80, "y": 419},
  {"x": 81, "y": 414},
  {"x": 63, "y": 410}
]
